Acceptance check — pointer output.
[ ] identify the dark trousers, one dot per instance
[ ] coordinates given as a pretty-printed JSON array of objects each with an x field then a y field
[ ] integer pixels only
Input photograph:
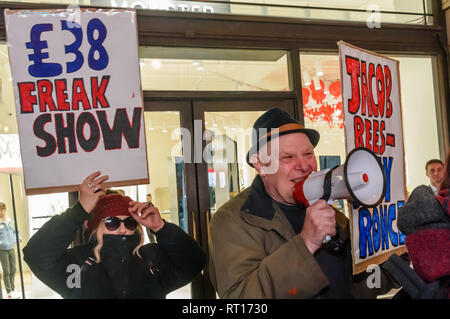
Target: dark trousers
[{"x": 8, "y": 261}]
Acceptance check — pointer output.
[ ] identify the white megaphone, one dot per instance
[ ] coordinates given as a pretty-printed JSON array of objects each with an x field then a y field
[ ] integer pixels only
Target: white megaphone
[{"x": 361, "y": 179}]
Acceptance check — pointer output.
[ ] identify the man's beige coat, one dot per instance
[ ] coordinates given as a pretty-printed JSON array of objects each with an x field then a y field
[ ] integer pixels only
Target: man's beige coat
[{"x": 254, "y": 252}]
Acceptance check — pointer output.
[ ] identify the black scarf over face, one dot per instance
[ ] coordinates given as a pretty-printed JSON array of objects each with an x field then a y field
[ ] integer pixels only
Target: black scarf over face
[
  {"x": 118, "y": 246},
  {"x": 116, "y": 258}
]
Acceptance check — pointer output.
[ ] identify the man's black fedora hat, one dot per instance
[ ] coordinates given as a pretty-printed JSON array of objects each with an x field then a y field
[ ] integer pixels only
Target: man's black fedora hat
[{"x": 282, "y": 121}]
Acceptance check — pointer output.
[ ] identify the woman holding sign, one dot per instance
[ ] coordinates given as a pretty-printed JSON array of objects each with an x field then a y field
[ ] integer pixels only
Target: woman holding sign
[{"x": 115, "y": 263}]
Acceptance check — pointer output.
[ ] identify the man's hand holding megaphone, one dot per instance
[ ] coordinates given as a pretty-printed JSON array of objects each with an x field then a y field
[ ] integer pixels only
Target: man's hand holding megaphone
[
  {"x": 320, "y": 221},
  {"x": 360, "y": 179}
]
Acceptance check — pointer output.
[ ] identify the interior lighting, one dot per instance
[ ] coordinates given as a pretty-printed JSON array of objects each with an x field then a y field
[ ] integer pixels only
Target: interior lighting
[
  {"x": 317, "y": 85},
  {"x": 319, "y": 71},
  {"x": 306, "y": 78},
  {"x": 156, "y": 64}
]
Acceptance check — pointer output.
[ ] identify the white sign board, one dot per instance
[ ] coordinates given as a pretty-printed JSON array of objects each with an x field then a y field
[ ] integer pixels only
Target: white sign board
[
  {"x": 78, "y": 96},
  {"x": 373, "y": 119}
]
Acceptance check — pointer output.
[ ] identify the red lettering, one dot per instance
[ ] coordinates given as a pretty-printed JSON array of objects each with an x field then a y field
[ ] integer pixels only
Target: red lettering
[
  {"x": 98, "y": 92},
  {"x": 42, "y": 92},
  {"x": 358, "y": 127},
  {"x": 45, "y": 89},
  {"x": 364, "y": 91},
  {"x": 368, "y": 125},
  {"x": 390, "y": 140},
  {"x": 383, "y": 140},
  {"x": 79, "y": 95},
  {"x": 371, "y": 76},
  {"x": 375, "y": 136},
  {"x": 368, "y": 133},
  {"x": 353, "y": 69},
  {"x": 388, "y": 84},
  {"x": 61, "y": 95},
  {"x": 26, "y": 99},
  {"x": 380, "y": 89}
]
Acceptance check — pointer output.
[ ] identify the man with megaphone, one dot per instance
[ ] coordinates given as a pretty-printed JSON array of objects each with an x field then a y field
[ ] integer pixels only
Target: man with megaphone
[{"x": 263, "y": 244}]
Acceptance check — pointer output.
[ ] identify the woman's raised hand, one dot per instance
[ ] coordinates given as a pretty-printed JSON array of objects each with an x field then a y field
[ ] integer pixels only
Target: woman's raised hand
[
  {"x": 91, "y": 190},
  {"x": 146, "y": 215}
]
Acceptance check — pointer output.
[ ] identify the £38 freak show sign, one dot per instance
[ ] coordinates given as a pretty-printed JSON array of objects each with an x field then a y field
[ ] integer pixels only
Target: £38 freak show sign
[
  {"x": 78, "y": 97},
  {"x": 373, "y": 119}
]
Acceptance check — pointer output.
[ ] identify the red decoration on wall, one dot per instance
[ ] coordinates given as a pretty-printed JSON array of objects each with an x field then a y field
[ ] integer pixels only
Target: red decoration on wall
[
  {"x": 305, "y": 95},
  {"x": 335, "y": 89},
  {"x": 324, "y": 107},
  {"x": 317, "y": 94}
]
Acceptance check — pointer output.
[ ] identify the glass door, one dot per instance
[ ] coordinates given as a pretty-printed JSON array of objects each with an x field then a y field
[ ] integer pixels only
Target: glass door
[
  {"x": 226, "y": 138},
  {"x": 172, "y": 186}
]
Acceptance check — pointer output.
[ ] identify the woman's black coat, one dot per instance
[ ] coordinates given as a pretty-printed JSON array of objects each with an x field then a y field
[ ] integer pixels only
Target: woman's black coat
[{"x": 167, "y": 265}]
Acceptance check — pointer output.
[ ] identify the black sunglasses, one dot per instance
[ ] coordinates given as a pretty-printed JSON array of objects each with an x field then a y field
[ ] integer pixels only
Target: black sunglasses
[{"x": 113, "y": 223}]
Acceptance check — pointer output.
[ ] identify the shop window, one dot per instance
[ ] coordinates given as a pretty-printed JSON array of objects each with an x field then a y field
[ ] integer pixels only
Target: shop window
[
  {"x": 29, "y": 212},
  {"x": 322, "y": 107},
  {"x": 8, "y": 121},
  {"x": 193, "y": 69}
]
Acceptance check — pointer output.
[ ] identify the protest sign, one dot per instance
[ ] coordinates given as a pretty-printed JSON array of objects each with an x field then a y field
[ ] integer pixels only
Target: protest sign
[
  {"x": 78, "y": 96},
  {"x": 373, "y": 119}
]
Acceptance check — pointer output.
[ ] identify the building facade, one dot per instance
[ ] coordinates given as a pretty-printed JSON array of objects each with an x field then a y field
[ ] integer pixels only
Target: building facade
[{"x": 210, "y": 68}]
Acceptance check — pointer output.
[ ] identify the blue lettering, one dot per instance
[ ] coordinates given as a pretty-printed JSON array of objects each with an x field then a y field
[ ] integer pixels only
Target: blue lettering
[
  {"x": 364, "y": 233},
  {"x": 376, "y": 231},
  {"x": 102, "y": 60},
  {"x": 75, "y": 29},
  {"x": 387, "y": 169},
  {"x": 384, "y": 227},
  {"x": 392, "y": 216},
  {"x": 39, "y": 68},
  {"x": 401, "y": 236}
]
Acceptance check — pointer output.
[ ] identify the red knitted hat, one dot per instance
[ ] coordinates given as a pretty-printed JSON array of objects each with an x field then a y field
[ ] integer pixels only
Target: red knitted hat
[{"x": 107, "y": 206}]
